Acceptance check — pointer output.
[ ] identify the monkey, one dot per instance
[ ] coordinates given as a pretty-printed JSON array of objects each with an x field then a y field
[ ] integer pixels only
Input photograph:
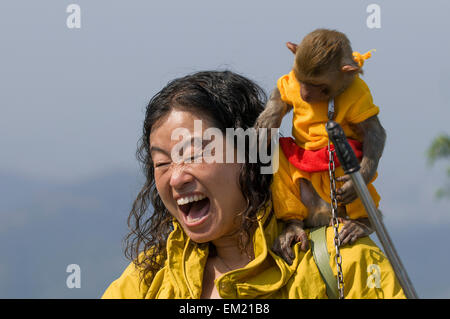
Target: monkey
[{"x": 325, "y": 67}]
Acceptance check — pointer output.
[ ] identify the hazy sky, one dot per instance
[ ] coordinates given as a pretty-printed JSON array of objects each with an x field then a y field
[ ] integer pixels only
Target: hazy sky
[{"x": 72, "y": 101}]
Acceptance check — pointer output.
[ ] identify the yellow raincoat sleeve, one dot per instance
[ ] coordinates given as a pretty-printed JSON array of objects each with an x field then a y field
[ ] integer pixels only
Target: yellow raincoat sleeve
[{"x": 127, "y": 286}]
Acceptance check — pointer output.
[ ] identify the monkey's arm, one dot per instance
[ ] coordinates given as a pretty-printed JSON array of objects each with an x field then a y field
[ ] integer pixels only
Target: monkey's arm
[
  {"x": 374, "y": 140},
  {"x": 274, "y": 112},
  {"x": 373, "y": 146}
]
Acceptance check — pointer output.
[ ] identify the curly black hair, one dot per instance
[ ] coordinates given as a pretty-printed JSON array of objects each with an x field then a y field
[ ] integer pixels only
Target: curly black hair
[{"x": 227, "y": 100}]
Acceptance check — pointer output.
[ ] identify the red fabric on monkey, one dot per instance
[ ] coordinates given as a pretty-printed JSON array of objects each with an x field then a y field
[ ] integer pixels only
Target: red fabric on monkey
[
  {"x": 313, "y": 160},
  {"x": 353, "y": 106}
]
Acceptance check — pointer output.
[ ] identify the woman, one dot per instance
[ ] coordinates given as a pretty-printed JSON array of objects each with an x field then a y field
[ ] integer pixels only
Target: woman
[{"x": 212, "y": 227}]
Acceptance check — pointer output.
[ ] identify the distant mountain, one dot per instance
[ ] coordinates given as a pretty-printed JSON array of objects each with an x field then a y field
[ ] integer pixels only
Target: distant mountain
[{"x": 46, "y": 226}]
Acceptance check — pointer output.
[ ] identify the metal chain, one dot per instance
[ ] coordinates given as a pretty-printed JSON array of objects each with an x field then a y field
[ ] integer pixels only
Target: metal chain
[
  {"x": 334, "y": 208},
  {"x": 335, "y": 221}
]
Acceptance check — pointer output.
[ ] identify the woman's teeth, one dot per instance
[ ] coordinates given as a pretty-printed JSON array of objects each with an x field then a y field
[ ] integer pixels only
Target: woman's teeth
[{"x": 190, "y": 199}]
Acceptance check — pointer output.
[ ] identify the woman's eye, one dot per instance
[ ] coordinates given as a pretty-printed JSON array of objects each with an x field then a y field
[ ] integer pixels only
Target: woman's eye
[{"x": 161, "y": 164}]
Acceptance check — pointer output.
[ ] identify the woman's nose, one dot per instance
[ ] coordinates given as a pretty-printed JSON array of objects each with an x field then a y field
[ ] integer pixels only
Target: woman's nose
[{"x": 180, "y": 177}]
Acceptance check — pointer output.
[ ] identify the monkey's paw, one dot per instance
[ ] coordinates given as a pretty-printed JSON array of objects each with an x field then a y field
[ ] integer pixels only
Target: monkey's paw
[
  {"x": 354, "y": 229},
  {"x": 292, "y": 233}
]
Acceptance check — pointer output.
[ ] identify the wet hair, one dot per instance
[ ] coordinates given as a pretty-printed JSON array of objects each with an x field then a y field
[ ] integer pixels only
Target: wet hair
[{"x": 227, "y": 100}]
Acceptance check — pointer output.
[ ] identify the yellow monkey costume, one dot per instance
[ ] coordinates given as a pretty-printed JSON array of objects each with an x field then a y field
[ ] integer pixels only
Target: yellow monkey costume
[{"x": 352, "y": 106}]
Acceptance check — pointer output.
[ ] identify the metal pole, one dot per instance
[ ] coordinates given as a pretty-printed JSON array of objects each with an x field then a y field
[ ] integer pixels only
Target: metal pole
[{"x": 351, "y": 167}]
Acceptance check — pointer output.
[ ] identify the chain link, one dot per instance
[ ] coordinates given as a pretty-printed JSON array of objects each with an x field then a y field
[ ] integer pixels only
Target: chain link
[{"x": 335, "y": 221}]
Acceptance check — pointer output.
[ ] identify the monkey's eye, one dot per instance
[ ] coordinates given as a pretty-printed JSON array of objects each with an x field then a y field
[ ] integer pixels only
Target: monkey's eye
[
  {"x": 314, "y": 85},
  {"x": 325, "y": 91},
  {"x": 322, "y": 88}
]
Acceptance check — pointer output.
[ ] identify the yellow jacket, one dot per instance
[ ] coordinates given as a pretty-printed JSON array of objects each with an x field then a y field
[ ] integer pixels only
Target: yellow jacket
[{"x": 367, "y": 272}]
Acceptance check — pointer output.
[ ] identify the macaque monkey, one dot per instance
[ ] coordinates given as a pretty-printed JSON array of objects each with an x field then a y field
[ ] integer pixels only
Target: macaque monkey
[{"x": 324, "y": 68}]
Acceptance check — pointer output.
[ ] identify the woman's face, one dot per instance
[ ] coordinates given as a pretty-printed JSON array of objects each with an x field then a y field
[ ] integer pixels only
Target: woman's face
[{"x": 203, "y": 197}]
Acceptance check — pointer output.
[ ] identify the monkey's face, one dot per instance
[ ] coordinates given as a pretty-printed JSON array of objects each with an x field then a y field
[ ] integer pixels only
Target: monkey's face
[
  {"x": 322, "y": 88},
  {"x": 313, "y": 93}
]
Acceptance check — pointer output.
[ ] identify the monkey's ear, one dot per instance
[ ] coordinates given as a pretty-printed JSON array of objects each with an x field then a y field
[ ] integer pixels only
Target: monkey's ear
[
  {"x": 349, "y": 68},
  {"x": 292, "y": 46}
]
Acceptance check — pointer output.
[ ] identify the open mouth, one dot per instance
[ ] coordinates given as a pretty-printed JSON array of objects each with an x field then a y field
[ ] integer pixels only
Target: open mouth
[{"x": 195, "y": 209}]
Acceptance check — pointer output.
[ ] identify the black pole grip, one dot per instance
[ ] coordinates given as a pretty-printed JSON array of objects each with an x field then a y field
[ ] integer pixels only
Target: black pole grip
[{"x": 344, "y": 152}]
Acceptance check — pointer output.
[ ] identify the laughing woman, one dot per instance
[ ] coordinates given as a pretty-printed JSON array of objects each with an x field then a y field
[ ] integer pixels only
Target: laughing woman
[{"x": 210, "y": 232}]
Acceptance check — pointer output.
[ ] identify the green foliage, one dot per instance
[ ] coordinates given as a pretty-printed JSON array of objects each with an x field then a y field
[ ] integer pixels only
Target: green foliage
[{"x": 440, "y": 149}]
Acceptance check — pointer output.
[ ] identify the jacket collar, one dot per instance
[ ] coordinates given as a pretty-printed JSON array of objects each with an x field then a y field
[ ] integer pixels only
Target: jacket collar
[{"x": 262, "y": 276}]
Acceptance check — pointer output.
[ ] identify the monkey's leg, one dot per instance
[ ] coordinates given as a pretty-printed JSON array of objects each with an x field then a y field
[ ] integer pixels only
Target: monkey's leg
[
  {"x": 357, "y": 225},
  {"x": 319, "y": 214},
  {"x": 294, "y": 232}
]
